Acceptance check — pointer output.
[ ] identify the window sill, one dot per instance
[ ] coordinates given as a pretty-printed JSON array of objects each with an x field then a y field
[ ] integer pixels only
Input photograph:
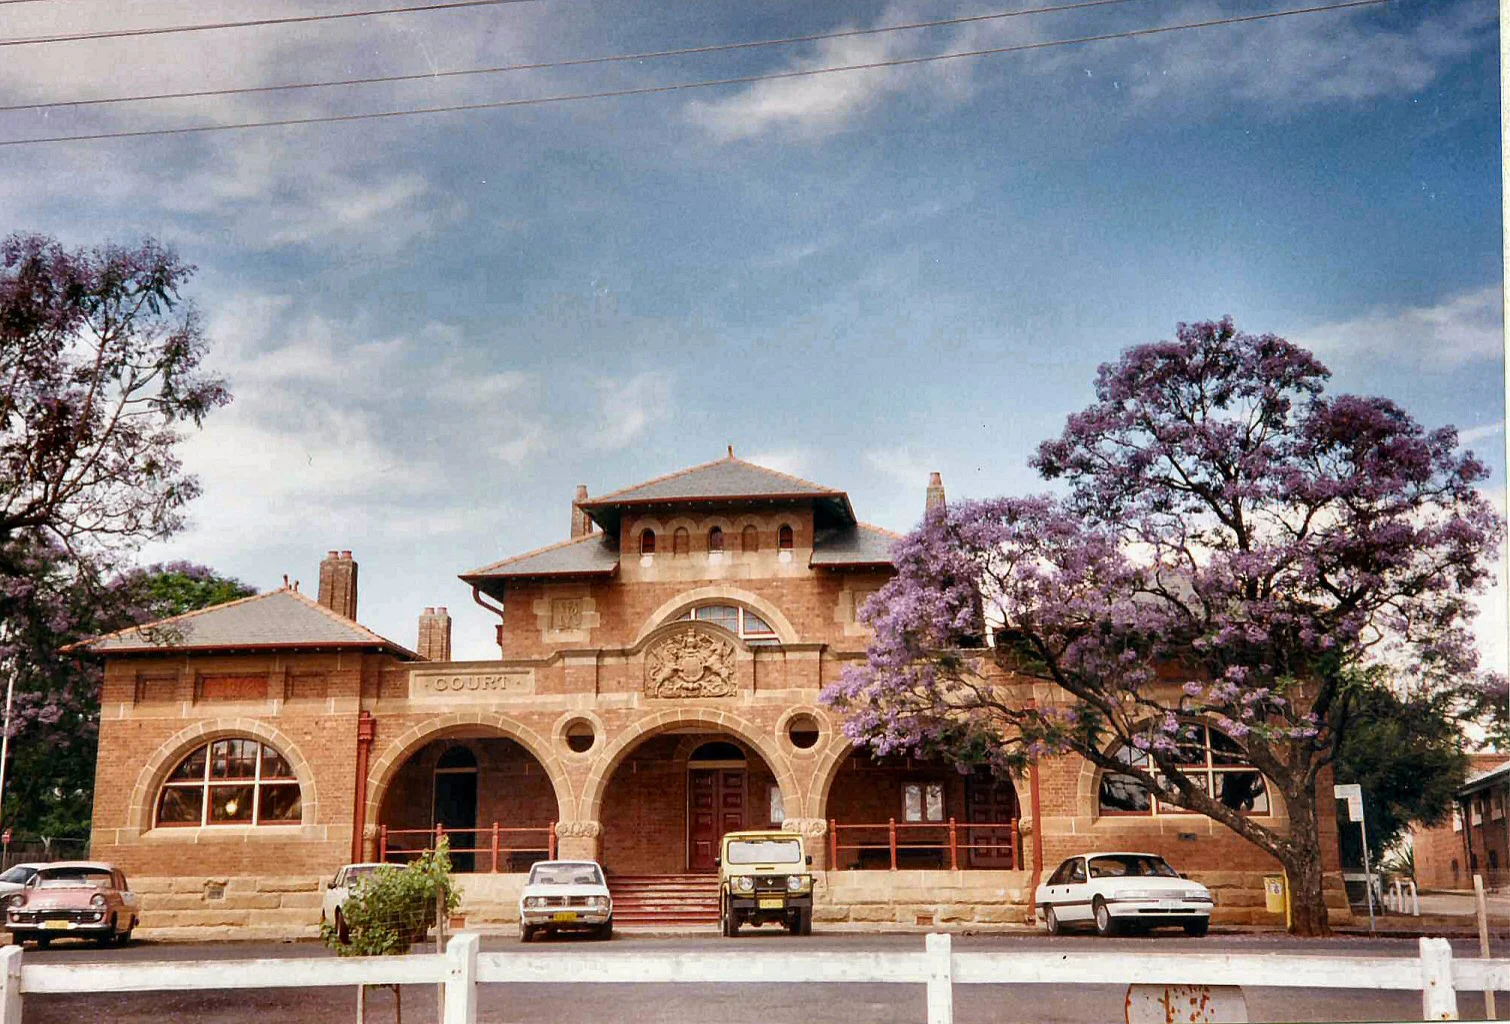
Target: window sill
[{"x": 199, "y": 833}]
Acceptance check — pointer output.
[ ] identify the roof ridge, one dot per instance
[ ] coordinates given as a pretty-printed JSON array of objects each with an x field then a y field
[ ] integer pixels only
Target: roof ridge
[
  {"x": 595, "y": 535},
  {"x": 179, "y": 617},
  {"x": 342, "y": 619},
  {"x": 661, "y": 479}
]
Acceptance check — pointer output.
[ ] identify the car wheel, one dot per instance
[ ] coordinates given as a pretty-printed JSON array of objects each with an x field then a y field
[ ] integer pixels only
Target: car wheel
[
  {"x": 729, "y": 921},
  {"x": 343, "y": 934},
  {"x": 807, "y": 921},
  {"x": 109, "y": 938},
  {"x": 526, "y": 933},
  {"x": 1051, "y": 920},
  {"x": 43, "y": 941},
  {"x": 124, "y": 938},
  {"x": 1197, "y": 928},
  {"x": 605, "y": 931},
  {"x": 1105, "y": 923}
]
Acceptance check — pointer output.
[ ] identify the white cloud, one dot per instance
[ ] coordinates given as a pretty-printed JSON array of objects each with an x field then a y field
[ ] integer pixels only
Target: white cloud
[
  {"x": 1463, "y": 328},
  {"x": 627, "y": 409},
  {"x": 1481, "y": 433},
  {"x": 903, "y": 464},
  {"x": 793, "y": 461}
]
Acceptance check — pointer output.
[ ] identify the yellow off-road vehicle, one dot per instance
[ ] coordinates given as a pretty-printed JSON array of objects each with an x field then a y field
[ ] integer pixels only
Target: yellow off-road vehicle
[{"x": 763, "y": 879}]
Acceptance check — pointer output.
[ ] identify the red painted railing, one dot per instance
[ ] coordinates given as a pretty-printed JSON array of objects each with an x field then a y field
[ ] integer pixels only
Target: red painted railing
[
  {"x": 953, "y": 841},
  {"x": 501, "y": 842}
]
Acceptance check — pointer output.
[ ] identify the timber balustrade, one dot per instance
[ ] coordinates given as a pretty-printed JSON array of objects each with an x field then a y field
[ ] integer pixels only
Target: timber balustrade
[
  {"x": 538, "y": 843},
  {"x": 1434, "y": 973},
  {"x": 947, "y": 844}
]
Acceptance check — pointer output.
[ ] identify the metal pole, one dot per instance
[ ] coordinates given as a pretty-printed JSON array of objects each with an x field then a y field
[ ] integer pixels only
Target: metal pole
[
  {"x": 1478, "y": 891},
  {"x": 10, "y": 693},
  {"x": 1368, "y": 878}
]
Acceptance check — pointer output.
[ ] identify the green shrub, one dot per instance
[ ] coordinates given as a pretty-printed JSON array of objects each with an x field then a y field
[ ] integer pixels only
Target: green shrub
[{"x": 392, "y": 908}]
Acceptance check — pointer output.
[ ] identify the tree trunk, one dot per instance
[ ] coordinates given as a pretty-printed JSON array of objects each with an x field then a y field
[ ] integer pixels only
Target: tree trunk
[{"x": 1302, "y": 863}]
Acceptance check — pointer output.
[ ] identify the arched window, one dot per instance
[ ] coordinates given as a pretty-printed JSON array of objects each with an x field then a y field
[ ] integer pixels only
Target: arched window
[
  {"x": 749, "y": 538},
  {"x": 784, "y": 537},
  {"x": 1209, "y": 758},
  {"x": 230, "y": 782},
  {"x": 681, "y": 543},
  {"x": 647, "y": 542},
  {"x": 716, "y": 539},
  {"x": 737, "y": 620}
]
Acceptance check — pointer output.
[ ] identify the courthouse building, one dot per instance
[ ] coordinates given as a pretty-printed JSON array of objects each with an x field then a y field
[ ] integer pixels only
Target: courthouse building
[{"x": 656, "y": 685}]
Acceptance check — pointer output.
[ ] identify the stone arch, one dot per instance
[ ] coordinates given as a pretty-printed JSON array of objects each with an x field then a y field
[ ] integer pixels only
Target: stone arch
[
  {"x": 718, "y": 591},
  {"x": 826, "y": 770},
  {"x": 176, "y": 747},
  {"x": 399, "y": 750},
  {"x": 591, "y": 804}
]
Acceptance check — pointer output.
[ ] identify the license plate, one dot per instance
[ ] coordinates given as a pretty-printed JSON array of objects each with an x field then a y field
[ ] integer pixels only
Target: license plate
[
  {"x": 55, "y": 925},
  {"x": 1169, "y": 904},
  {"x": 772, "y": 904},
  {"x": 564, "y": 915}
]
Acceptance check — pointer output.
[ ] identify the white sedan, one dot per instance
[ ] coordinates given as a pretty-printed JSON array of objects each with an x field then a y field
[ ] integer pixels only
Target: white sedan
[
  {"x": 339, "y": 889},
  {"x": 565, "y": 895},
  {"x": 1116, "y": 890}
]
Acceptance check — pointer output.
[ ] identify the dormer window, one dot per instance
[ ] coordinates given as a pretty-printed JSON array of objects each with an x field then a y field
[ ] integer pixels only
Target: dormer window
[
  {"x": 647, "y": 542},
  {"x": 784, "y": 537},
  {"x": 716, "y": 539}
]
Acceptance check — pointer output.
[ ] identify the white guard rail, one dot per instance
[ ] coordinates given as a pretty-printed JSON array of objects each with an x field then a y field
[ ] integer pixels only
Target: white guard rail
[{"x": 1435, "y": 974}]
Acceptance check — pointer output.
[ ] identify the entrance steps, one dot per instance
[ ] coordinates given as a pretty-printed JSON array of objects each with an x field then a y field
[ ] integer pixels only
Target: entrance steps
[{"x": 677, "y": 901}]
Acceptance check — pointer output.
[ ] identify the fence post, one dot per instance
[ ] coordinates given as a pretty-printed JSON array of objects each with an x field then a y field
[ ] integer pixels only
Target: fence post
[
  {"x": 1439, "y": 999},
  {"x": 833, "y": 844},
  {"x": 892, "y": 839},
  {"x": 495, "y": 847},
  {"x": 550, "y": 843},
  {"x": 10, "y": 985},
  {"x": 461, "y": 980},
  {"x": 953, "y": 847},
  {"x": 940, "y": 978}
]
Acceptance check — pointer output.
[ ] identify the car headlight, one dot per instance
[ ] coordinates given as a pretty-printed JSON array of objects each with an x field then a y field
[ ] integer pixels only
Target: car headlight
[
  {"x": 99, "y": 900},
  {"x": 1142, "y": 894},
  {"x": 598, "y": 902},
  {"x": 16, "y": 900},
  {"x": 533, "y": 901},
  {"x": 796, "y": 883},
  {"x": 744, "y": 883}
]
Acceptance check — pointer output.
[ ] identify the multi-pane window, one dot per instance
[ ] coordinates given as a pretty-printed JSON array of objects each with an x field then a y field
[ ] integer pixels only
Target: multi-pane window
[
  {"x": 1457, "y": 818},
  {"x": 784, "y": 537},
  {"x": 647, "y": 542},
  {"x": 1208, "y": 758},
  {"x": 1476, "y": 810},
  {"x": 1496, "y": 805},
  {"x": 716, "y": 539},
  {"x": 230, "y": 782},
  {"x": 922, "y": 801},
  {"x": 737, "y": 620},
  {"x": 776, "y": 803}
]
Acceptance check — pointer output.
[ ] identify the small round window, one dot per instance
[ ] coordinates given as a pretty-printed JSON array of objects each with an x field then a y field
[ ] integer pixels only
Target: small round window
[
  {"x": 802, "y": 730},
  {"x": 580, "y": 736}
]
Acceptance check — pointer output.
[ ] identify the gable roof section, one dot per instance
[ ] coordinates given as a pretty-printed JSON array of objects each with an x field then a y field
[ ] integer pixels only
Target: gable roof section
[
  {"x": 281, "y": 618},
  {"x": 726, "y": 479},
  {"x": 853, "y": 546},
  {"x": 593, "y": 555}
]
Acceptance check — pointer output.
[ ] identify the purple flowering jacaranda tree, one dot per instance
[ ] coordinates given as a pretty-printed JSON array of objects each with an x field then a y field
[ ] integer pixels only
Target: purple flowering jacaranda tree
[{"x": 1231, "y": 547}]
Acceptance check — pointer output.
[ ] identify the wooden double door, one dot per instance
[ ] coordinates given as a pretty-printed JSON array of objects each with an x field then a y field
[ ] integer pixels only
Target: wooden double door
[{"x": 716, "y": 801}]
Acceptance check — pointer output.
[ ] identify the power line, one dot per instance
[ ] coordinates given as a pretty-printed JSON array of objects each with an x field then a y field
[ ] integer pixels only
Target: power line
[
  {"x": 704, "y": 84},
  {"x": 218, "y": 25},
  {"x": 574, "y": 62}
]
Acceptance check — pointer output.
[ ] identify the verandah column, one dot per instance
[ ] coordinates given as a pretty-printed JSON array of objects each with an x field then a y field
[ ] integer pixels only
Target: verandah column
[{"x": 579, "y": 840}]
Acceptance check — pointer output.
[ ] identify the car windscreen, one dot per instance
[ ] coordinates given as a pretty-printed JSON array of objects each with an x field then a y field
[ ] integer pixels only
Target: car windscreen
[
  {"x": 72, "y": 878},
  {"x": 765, "y": 851},
  {"x": 17, "y": 874},
  {"x": 565, "y": 874},
  {"x": 354, "y": 875},
  {"x": 1131, "y": 865}
]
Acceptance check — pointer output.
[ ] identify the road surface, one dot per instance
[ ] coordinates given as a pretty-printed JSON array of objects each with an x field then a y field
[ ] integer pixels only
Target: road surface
[{"x": 727, "y": 1004}]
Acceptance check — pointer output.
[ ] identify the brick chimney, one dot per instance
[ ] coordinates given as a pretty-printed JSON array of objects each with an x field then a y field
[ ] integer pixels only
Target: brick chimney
[
  {"x": 581, "y": 525},
  {"x": 935, "y": 497},
  {"x": 338, "y": 584},
  {"x": 435, "y": 635}
]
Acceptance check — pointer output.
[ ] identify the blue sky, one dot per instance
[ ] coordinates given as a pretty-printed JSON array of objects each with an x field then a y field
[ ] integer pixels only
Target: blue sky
[{"x": 436, "y": 326}]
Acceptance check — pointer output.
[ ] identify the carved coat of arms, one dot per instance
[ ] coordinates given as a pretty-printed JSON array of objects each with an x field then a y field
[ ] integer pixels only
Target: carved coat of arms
[{"x": 690, "y": 664}]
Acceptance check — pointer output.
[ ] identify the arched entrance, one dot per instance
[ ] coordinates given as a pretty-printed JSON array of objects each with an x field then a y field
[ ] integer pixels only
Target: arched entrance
[
  {"x": 489, "y": 795},
  {"x": 909, "y": 812},
  {"x": 672, "y": 798}
]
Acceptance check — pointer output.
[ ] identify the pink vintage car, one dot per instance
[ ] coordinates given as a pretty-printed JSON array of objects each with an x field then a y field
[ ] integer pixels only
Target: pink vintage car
[{"x": 81, "y": 899}]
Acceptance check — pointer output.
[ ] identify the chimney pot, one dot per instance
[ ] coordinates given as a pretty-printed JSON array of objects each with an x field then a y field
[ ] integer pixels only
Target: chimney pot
[
  {"x": 338, "y": 584},
  {"x": 581, "y": 523},
  {"x": 346, "y": 555},
  {"x": 434, "y": 635}
]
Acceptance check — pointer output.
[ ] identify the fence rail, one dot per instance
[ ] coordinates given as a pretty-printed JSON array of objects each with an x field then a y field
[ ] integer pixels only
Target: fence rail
[
  {"x": 503, "y": 843},
  {"x": 462, "y": 968},
  {"x": 985, "y": 844}
]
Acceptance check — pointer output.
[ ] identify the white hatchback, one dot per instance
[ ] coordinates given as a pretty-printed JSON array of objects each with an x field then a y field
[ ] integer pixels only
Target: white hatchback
[
  {"x": 1113, "y": 891},
  {"x": 565, "y": 895}
]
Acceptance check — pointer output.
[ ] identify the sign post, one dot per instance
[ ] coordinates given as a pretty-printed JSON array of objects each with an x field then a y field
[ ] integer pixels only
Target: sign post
[{"x": 1353, "y": 794}]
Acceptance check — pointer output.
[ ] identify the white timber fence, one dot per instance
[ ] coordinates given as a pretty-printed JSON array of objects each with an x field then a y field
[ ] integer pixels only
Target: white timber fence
[{"x": 461, "y": 968}]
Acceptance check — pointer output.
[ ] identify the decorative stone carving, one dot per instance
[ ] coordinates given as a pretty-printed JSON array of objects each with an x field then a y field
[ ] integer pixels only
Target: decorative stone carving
[
  {"x": 691, "y": 663},
  {"x": 370, "y": 830},
  {"x": 813, "y": 827},
  {"x": 566, "y": 613},
  {"x": 578, "y": 829}
]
